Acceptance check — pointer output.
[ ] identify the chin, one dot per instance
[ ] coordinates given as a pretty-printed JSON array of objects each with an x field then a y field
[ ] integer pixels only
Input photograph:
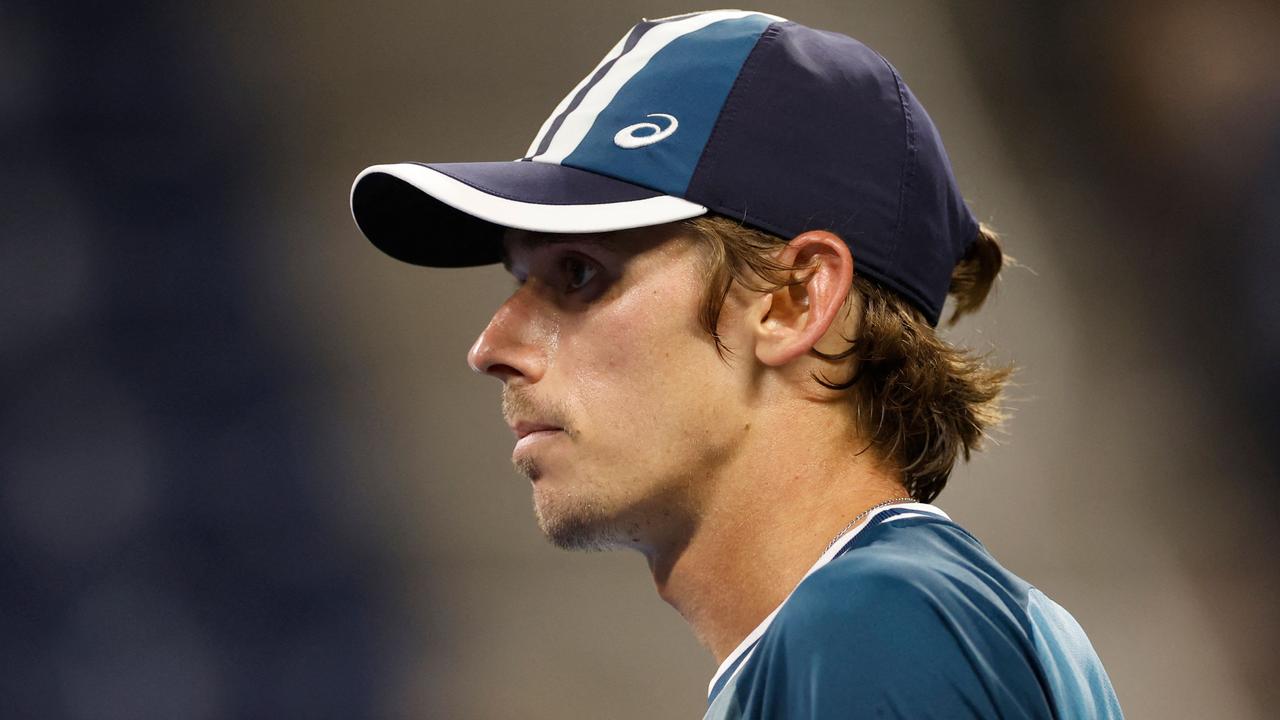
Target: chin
[{"x": 573, "y": 523}]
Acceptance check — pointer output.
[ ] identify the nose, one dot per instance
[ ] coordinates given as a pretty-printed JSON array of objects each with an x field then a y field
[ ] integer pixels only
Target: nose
[{"x": 514, "y": 343}]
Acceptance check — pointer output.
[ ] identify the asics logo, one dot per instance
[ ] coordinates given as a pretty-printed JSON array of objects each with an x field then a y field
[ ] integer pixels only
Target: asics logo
[{"x": 628, "y": 139}]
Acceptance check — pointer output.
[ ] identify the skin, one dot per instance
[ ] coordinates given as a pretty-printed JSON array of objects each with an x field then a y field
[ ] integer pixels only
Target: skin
[{"x": 729, "y": 474}]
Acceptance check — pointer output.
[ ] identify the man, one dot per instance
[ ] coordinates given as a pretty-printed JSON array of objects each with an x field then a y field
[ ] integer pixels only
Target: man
[{"x": 732, "y": 241}]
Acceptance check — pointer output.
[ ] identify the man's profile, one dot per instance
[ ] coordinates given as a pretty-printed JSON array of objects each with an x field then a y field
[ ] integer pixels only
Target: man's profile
[{"x": 732, "y": 242}]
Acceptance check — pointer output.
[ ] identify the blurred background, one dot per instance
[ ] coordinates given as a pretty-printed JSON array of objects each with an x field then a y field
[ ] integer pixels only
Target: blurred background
[{"x": 245, "y": 471}]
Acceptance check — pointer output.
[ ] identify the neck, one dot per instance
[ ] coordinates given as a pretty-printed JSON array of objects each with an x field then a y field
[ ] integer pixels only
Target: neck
[{"x": 762, "y": 528}]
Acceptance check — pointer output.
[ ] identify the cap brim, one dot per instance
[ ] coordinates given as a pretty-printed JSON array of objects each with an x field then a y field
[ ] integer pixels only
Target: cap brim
[{"x": 453, "y": 214}]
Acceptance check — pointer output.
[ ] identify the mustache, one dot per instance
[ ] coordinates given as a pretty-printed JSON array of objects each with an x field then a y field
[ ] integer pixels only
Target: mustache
[{"x": 519, "y": 403}]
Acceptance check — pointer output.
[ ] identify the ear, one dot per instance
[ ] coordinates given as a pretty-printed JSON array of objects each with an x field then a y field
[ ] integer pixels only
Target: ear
[{"x": 791, "y": 320}]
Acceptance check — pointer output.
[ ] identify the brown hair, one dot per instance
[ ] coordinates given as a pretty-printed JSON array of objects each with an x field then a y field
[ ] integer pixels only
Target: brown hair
[{"x": 919, "y": 401}]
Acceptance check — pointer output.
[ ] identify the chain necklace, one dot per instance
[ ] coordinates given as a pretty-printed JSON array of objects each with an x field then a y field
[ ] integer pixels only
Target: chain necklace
[{"x": 863, "y": 514}]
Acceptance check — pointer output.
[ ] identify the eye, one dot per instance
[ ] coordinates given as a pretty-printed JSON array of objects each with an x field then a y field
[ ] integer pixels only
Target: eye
[{"x": 577, "y": 272}]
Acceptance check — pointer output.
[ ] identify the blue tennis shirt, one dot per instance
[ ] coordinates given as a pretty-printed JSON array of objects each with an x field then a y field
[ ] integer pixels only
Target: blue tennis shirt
[{"x": 909, "y": 616}]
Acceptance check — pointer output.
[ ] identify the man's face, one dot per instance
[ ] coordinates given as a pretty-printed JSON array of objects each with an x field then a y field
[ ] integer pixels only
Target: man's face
[{"x": 622, "y": 407}]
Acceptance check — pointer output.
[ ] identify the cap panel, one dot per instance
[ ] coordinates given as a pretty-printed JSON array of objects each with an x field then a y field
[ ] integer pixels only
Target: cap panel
[
  {"x": 653, "y": 131},
  {"x": 820, "y": 110},
  {"x": 857, "y": 153}
]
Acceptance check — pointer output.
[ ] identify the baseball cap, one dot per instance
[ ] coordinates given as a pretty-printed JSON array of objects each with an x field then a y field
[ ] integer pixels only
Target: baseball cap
[{"x": 777, "y": 125}]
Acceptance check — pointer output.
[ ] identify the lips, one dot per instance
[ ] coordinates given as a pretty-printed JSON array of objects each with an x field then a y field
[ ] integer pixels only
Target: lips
[
  {"x": 524, "y": 428},
  {"x": 531, "y": 434}
]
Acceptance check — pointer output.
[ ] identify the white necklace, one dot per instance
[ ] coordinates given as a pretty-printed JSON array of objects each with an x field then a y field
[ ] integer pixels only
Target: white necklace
[{"x": 863, "y": 514}]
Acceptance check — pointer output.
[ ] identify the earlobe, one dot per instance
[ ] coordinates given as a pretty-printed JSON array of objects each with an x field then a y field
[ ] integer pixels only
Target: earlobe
[{"x": 799, "y": 314}]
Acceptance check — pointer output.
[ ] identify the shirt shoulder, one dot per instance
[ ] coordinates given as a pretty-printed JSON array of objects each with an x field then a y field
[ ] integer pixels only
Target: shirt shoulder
[
  {"x": 915, "y": 572},
  {"x": 910, "y": 622},
  {"x": 915, "y": 619}
]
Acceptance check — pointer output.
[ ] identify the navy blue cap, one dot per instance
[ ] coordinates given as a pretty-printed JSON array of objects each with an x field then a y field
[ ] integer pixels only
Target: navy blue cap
[{"x": 778, "y": 125}]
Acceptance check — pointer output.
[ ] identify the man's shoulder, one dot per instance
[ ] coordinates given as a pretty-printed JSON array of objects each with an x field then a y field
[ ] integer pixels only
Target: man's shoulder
[
  {"x": 911, "y": 570},
  {"x": 909, "y": 621},
  {"x": 922, "y": 599}
]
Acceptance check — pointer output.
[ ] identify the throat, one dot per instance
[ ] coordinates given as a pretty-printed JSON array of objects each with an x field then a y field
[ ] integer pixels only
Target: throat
[
  {"x": 732, "y": 574},
  {"x": 724, "y": 587}
]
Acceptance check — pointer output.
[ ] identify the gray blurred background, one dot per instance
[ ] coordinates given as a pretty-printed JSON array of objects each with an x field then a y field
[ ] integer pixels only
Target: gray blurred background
[{"x": 245, "y": 471}]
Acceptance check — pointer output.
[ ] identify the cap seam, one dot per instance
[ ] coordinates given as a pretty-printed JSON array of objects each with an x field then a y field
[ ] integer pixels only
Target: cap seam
[
  {"x": 907, "y": 176},
  {"x": 709, "y": 158}
]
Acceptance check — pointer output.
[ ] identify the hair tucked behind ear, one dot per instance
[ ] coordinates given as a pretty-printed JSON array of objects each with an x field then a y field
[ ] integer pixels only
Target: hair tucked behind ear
[{"x": 919, "y": 402}]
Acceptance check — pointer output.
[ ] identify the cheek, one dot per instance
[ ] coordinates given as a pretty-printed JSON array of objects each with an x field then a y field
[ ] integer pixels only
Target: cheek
[
  {"x": 648, "y": 372},
  {"x": 618, "y": 353}
]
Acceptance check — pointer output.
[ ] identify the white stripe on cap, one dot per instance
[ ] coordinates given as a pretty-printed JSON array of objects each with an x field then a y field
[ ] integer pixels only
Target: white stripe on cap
[
  {"x": 578, "y": 123},
  {"x": 601, "y": 217},
  {"x": 546, "y": 125}
]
